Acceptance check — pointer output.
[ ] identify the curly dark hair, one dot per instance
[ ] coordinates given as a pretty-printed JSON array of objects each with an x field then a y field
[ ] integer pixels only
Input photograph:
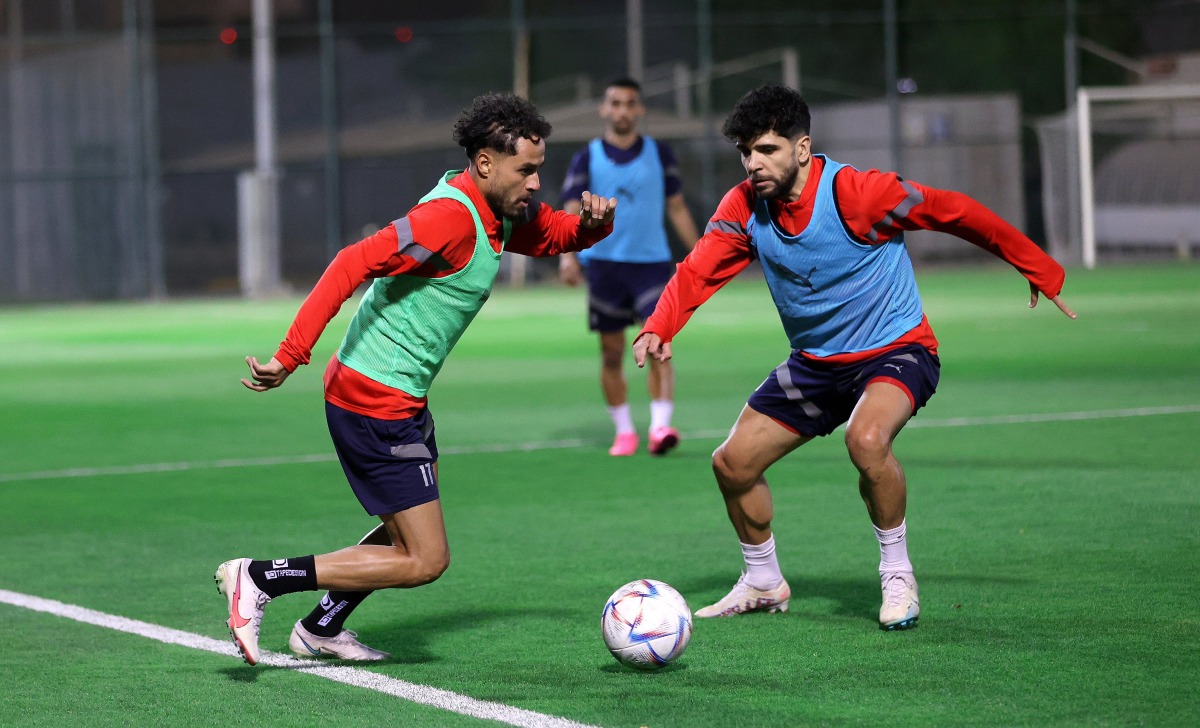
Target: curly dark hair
[
  {"x": 776, "y": 109},
  {"x": 496, "y": 121}
]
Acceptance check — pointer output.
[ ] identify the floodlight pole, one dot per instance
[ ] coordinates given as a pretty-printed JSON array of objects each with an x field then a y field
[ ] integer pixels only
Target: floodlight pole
[
  {"x": 891, "y": 46},
  {"x": 152, "y": 151},
  {"x": 21, "y": 279},
  {"x": 520, "y": 37},
  {"x": 518, "y": 264},
  {"x": 135, "y": 129},
  {"x": 1074, "y": 142},
  {"x": 329, "y": 120},
  {"x": 258, "y": 192},
  {"x": 636, "y": 63},
  {"x": 704, "y": 72}
]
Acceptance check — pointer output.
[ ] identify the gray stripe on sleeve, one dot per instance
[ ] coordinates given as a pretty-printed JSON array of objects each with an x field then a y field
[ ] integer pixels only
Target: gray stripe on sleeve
[
  {"x": 908, "y": 203},
  {"x": 725, "y": 226},
  {"x": 898, "y": 212},
  {"x": 407, "y": 245}
]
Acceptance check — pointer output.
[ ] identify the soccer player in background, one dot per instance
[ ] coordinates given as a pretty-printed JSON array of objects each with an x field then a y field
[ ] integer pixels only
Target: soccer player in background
[
  {"x": 432, "y": 270},
  {"x": 830, "y": 241},
  {"x": 627, "y": 270}
]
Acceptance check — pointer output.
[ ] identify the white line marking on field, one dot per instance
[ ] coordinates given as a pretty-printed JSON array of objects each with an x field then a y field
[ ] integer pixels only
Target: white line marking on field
[
  {"x": 1022, "y": 419},
  {"x": 576, "y": 442},
  {"x": 356, "y": 677}
]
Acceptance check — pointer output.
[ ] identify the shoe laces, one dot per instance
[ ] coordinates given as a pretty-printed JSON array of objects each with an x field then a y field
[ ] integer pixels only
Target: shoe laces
[{"x": 897, "y": 588}]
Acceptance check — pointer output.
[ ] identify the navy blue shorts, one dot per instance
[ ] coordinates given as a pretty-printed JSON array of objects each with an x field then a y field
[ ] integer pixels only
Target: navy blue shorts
[
  {"x": 811, "y": 398},
  {"x": 389, "y": 463},
  {"x": 621, "y": 294}
]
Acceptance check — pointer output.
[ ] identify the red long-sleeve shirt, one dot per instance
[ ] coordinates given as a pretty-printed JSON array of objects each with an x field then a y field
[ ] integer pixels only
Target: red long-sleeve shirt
[
  {"x": 873, "y": 206},
  {"x": 435, "y": 239}
]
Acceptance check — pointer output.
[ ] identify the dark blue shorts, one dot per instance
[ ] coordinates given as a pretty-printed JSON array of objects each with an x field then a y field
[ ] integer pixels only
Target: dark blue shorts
[
  {"x": 812, "y": 399},
  {"x": 621, "y": 294},
  {"x": 389, "y": 463}
]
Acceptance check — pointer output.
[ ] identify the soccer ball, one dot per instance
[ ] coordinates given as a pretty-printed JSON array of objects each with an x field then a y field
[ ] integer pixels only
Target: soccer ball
[{"x": 646, "y": 624}]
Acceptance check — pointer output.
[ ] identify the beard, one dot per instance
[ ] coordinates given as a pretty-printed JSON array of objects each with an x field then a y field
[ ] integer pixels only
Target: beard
[
  {"x": 507, "y": 207},
  {"x": 623, "y": 126},
  {"x": 783, "y": 185}
]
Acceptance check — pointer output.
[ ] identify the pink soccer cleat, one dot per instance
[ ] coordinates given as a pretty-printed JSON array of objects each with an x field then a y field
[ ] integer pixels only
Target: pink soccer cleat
[
  {"x": 624, "y": 444},
  {"x": 246, "y": 602},
  {"x": 745, "y": 598},
  {"x": 663, "y": 440}
]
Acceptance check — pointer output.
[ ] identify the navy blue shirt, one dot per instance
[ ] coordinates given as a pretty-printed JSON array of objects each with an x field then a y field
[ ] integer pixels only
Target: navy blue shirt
[{"x": 577, "y": 174}]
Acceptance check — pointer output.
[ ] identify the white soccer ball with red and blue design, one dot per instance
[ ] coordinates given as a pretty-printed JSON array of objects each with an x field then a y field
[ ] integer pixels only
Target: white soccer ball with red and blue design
[{"x": 646, "y": 624}]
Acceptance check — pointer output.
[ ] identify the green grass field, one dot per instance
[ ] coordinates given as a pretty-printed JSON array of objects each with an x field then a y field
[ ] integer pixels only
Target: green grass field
[{"x": 1054, "y": 520}]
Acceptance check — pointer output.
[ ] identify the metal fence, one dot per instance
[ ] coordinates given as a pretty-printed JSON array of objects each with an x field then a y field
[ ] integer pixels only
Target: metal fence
[
  {"x": 78, "y": 163},
  {"x": 122, "y": 137}
]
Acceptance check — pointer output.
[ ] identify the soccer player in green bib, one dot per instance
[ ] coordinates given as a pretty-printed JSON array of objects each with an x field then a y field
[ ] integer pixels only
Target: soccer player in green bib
[{"x": 432, "y": 271}]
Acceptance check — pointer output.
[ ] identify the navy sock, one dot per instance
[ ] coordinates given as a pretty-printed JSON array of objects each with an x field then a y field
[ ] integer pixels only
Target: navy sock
[
  {"x": 330, "y": 614},
  {"x": 284, "y": 576}
]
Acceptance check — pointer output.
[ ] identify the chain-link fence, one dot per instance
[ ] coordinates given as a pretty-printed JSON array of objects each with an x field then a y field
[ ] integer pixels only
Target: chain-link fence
[{"x": 125, "y": 123}]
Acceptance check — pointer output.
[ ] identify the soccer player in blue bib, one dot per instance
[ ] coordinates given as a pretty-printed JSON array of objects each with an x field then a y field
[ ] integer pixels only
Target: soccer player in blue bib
[
  {"x": 627, "y": 270},
  {"x": 830, "y": 239}
]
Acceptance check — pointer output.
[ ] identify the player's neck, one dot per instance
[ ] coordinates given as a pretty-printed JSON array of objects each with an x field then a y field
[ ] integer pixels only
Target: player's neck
[{"x": 621, "y": 141}]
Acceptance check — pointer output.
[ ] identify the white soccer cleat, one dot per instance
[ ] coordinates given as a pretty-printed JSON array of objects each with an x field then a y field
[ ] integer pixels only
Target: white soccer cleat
[
  {"x": 344, "y": 646},
  {"x": 246, "y": 602},
  {"x": 901, "y": 608},
  {"x": 745, "y": 598}
]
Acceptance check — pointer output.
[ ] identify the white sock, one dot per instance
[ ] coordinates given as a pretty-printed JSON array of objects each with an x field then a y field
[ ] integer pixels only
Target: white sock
[
  {"x": 621, "y": 418},
  {"x": 762, "y": 568},
  {"x": 660, "y": 413},
  {"x": 893, "y": 549}
]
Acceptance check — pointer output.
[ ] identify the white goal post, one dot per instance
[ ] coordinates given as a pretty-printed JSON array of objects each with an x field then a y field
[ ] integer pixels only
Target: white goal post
[{"x": 1172, "y": 220}]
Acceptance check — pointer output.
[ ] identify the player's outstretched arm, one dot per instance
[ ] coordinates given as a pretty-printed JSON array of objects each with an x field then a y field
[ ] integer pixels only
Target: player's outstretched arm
[
  {"x": 650, "y": 345},
  {"x": 266, "y": 376},
  {"x": 1056, "y": 300}
]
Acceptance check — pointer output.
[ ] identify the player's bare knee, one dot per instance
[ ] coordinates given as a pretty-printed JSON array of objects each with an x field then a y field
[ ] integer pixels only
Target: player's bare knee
[
  {"x": 867, "y": 445},
  {"x": 431, "y": 567},
  {"x": 732, "y": 477}
]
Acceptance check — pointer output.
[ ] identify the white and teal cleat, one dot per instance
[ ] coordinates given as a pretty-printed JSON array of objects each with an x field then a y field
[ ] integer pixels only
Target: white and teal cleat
[{"x": 901, "y": 607}]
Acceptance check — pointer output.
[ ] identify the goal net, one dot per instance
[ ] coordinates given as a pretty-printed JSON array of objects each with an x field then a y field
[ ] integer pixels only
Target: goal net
[{"x": 1122, "y": 178}]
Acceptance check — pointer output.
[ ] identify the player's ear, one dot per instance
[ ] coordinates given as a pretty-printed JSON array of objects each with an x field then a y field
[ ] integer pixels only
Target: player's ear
[
  {"x": 803, "y": 148},
  {"x": 483, "y": 163}
]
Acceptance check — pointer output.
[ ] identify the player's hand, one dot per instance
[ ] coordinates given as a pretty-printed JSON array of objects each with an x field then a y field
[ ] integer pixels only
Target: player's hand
[
  {"x": 1056, "y": 300},
  {"x": 596, "y": 211},
  {"x": 569, "y": 271},
  {"x": 266, "y": 376},
  {"x": 650, "y": 345}
]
